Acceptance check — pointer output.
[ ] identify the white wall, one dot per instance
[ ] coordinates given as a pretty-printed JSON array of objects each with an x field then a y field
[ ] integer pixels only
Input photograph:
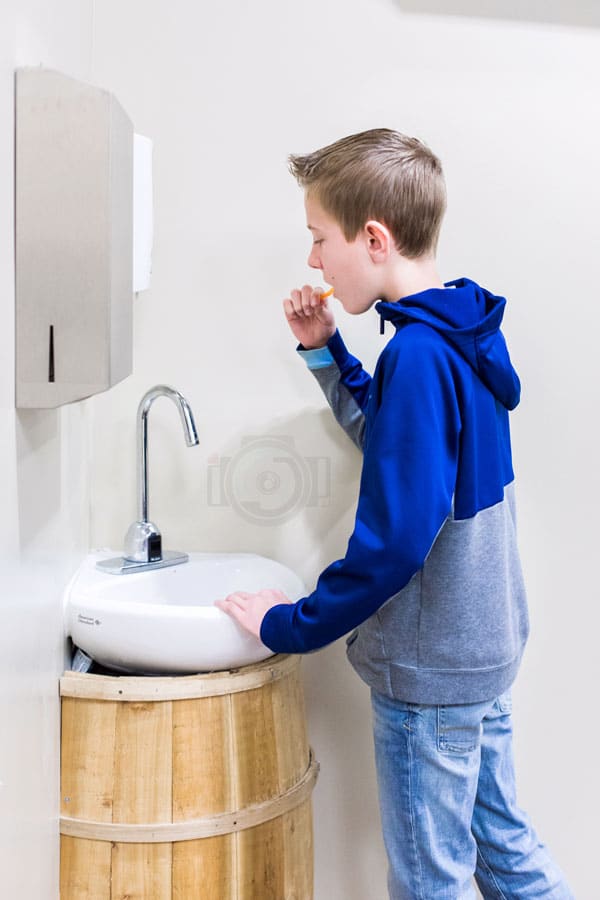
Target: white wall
[
  {"x": 44, "y": 506},
  {"x": 227, "y": 91}
]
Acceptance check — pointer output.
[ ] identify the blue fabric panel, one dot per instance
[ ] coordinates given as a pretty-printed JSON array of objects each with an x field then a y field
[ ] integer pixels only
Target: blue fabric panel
[{"x": 353, "y": 376}]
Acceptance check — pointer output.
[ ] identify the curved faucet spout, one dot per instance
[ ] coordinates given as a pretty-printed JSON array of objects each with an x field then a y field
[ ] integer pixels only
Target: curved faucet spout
[
  {"x": 143, "y": 541},
  {"x": 189, "y": 427}
]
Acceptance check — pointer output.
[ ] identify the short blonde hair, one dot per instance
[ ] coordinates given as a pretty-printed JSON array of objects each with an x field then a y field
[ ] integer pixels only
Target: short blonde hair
[{"x": 379, "y": 174}]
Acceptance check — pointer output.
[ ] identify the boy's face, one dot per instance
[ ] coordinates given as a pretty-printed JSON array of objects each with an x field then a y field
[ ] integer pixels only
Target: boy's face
[{"x": 347, "y": 266}]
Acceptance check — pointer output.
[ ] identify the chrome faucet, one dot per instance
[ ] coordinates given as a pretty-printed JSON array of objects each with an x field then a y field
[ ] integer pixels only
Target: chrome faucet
[{"x": 143, "y": 541}]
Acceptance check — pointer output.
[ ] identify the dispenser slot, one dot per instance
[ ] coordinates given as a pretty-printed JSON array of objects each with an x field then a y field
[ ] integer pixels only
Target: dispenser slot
[{"x": 51, "y": 355}]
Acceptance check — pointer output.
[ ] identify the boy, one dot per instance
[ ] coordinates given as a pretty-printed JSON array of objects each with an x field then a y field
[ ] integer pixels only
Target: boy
[{"x": 431, "y": 584}]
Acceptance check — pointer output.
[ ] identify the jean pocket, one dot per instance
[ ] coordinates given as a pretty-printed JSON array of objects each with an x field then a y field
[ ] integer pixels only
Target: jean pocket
[
  {"x": 459, "y": 728},
  {"x": 504, "y": 702}
]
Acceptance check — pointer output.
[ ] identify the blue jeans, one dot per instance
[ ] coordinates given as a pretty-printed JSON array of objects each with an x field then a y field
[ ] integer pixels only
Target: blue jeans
[{"x": 448, "y": 805}]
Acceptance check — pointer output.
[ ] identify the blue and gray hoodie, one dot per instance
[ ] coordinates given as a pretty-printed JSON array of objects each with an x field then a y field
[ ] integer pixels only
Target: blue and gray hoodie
[{"x": 431, "y": 581}]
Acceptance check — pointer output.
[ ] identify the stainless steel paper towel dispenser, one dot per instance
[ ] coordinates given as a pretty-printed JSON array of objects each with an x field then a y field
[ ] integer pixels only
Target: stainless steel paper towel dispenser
[{"x": 73, "y": 239}]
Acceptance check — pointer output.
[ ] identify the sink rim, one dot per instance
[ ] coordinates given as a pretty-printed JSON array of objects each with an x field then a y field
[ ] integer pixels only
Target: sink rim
[
  {"x": 91, "y": 587},
  {"x": 137, "y": 636}
]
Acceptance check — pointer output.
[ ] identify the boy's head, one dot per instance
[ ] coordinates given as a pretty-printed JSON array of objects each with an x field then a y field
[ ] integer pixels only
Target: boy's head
[
  {"x": 378, "y": 174},
  {"x": 369, "y": 188}
]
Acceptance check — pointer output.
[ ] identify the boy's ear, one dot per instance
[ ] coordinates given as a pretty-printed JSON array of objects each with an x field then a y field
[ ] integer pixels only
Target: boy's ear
[{"x": 379, "y": 240}]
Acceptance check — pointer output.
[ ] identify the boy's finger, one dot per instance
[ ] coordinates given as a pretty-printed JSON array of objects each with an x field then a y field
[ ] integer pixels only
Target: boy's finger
[
  {"x": 290, "y": 312},
  {"x": 238, "y": 598},
  {"x": 315, "y": 297},
  {"x": 307, "y": 292},
  {"x": 233, "y": 611},
  {"x": 296, "y": 297}
]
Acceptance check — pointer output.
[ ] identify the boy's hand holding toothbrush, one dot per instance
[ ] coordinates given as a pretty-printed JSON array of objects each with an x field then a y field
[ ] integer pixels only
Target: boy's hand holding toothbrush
[{"x": 309, "y": 316}]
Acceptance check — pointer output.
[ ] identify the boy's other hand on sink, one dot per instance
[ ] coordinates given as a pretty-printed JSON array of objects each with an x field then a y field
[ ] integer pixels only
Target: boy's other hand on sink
[{"x": 250, "y": 609}]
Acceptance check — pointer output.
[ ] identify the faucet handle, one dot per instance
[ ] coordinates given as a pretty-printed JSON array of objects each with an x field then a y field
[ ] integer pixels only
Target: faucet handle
[{"x": 143, "y": 542}]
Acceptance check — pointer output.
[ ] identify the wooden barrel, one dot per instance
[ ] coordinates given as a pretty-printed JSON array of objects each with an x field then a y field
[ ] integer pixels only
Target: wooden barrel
[{"x": 187, "y": 788}]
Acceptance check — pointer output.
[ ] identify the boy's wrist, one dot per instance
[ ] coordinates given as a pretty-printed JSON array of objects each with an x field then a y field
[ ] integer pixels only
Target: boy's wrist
[
  {"x": 317, "y": 357},
  {"x": 312, "y": 346},
  {"x": 318, "y": 346}
]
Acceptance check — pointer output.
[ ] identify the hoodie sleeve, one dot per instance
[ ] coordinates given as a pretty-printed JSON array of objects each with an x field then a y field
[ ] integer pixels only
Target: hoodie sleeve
[
  {"x": 406, "y": 489},
  {"x": 344, "y": 382}
]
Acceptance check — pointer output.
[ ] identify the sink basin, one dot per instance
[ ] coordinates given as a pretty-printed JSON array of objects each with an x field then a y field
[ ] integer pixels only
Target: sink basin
[{"x": 163, "y": 621}]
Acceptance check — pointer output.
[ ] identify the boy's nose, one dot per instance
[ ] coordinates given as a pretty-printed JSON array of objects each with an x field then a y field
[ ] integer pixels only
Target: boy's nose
[{"x": 313, "y": 260}]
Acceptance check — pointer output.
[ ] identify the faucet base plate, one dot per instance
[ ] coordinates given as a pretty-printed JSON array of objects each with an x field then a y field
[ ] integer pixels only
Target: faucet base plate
[{"x": 118, "y": 565}]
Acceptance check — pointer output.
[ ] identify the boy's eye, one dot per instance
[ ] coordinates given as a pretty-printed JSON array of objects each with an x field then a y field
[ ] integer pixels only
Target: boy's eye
[{"x": 320, "y": 241}]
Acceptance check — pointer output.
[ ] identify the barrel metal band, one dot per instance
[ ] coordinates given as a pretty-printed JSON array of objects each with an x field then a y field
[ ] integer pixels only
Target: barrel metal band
[{"x": 192, "y": 829}]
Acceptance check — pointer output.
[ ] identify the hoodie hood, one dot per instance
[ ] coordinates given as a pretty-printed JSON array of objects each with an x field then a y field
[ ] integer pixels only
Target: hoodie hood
[{"x": 468, "y": 317}]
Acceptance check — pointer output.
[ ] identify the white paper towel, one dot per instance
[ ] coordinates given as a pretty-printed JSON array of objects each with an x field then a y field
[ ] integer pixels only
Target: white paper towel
[{"x": 143, "y": 224}]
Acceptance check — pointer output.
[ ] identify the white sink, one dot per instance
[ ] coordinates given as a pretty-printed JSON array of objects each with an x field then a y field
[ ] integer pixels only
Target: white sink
[{"x": 164, "y": 620}]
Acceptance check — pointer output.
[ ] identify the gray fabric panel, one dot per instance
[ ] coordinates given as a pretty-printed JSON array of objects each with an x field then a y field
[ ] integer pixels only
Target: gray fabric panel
[
  {"x": 343, "y": 405},
  {"x": 456, "y": 632}
]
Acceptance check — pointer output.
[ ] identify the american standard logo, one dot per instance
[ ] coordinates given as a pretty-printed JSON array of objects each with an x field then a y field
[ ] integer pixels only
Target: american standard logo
[{"x": 88, "y": 620}]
